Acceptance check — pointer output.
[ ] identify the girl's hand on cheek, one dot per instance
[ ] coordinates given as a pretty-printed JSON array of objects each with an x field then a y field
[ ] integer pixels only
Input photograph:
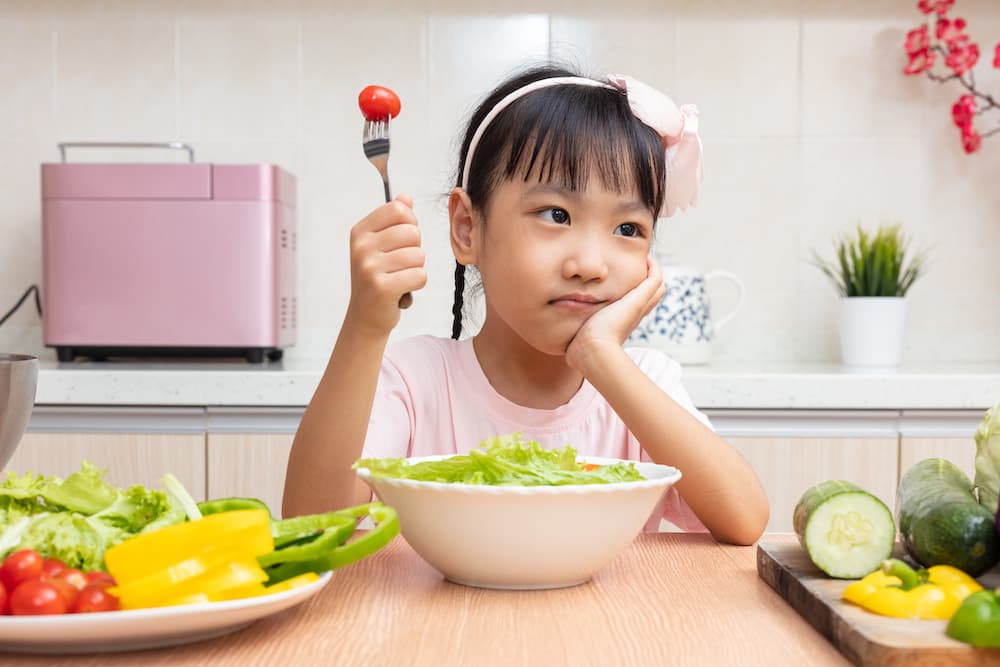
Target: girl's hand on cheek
[
  {"x": 611, "y": 325},
  {"x": 386, "y": 262}
]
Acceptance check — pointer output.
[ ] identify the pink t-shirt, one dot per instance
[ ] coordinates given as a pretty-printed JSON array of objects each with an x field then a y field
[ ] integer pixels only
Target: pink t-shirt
[{"x": 433, "y": 398}]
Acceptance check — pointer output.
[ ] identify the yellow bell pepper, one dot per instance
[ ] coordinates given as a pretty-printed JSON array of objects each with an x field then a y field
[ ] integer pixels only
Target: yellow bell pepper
[
  {"x": 898, "y": 590},
  {"x": 213, "y": 558},
  {"x": 245, "y": 531}
]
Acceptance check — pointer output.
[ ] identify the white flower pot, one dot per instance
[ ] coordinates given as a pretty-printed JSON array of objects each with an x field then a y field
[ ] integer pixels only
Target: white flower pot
[{"x": 871, "y": 331}]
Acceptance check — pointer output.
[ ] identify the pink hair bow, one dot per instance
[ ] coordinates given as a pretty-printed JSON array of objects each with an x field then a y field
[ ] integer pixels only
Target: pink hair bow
[{"x": 678, "y": 130}]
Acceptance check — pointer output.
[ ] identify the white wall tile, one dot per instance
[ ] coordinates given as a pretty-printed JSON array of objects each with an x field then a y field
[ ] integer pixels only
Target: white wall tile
[
  {"x": 743, "y": 75},
  {"x": 116, "y": 77},
  {"x": 239, "y": 74},
  {"x": 27, "y": 74}
]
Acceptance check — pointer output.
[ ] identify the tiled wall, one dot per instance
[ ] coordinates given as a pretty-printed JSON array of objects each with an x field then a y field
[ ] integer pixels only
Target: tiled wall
[{"x": 808, "y": 123}]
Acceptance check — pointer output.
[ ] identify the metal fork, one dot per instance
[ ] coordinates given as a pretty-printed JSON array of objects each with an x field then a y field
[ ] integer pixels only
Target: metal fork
[{"x": 375, "y": 142}]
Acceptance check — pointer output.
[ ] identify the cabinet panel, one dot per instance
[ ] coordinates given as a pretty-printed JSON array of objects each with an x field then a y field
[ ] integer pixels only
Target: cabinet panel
[
  {"x": 959, "y": 450},
  {"x": 245, "y": 464},
  {"x": 789, "y": 466},
  {"x": 129, "y": 458}
]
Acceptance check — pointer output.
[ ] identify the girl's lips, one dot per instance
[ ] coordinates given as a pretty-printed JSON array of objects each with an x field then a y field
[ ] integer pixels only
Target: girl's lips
[{"x": 576, "y": 301}]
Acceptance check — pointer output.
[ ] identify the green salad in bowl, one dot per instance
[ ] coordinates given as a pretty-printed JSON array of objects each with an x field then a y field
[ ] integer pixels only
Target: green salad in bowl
[
  {"x": 511, "y": 514},
  {"x": 503, "y": 461}
]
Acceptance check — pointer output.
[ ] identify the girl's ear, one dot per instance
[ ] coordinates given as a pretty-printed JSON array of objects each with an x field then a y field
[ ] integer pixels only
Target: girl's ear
[{"x": 464, "y": 227}]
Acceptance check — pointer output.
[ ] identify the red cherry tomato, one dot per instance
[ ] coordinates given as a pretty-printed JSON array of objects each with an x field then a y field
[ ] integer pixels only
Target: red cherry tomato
[
  {"x": 20, "y": 566},
  {"x": 53, "y": 566},
  {"x": 379, "y": 103},
  {"x": 36, "y": 597},
  {"x": 94, "y": 598},
  {"x": 73, "y": 576},
  {"x": 102, "y": 578},
  {"x": 67, "y": 591},
  {"x": 3, "y": 600}
]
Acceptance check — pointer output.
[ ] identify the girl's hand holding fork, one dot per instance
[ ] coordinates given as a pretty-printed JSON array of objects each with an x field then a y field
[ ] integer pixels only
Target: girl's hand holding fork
[{"x": 386, "y": 263}]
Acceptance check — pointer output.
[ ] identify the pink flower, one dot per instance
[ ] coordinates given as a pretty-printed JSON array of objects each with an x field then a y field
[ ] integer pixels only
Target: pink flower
[
  {"x": 938, "y": 7},
  {"x": 917, "y": 40},
  {"x": 962, "y": 58},
  {"x": 952, "y": 31},
  {"x": 971, "y": 140},
  {"x": 919, "y": 61},
  {"x": 964, "y": 111}
]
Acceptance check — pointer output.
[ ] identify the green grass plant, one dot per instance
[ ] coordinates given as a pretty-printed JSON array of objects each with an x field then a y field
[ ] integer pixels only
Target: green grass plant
[{"x": 872, "y": 265}]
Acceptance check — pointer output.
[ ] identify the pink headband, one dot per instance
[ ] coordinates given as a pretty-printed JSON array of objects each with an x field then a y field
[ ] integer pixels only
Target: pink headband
[{"x": 677, "y": 127}]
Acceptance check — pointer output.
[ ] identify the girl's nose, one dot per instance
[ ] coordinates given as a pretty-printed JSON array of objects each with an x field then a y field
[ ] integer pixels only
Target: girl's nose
[{"x": 585, "y": 260}]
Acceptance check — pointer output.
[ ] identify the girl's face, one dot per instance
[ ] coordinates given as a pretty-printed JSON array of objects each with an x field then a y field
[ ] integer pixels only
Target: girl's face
[{"x": 550, "y": 257}]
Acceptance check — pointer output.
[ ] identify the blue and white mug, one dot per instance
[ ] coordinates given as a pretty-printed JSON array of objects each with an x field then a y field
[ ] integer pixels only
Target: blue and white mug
[{"x": 681, "y": 324}]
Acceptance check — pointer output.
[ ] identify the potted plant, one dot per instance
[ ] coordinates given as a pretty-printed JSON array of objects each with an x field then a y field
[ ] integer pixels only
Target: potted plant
[{"x": 872, "y": 273}]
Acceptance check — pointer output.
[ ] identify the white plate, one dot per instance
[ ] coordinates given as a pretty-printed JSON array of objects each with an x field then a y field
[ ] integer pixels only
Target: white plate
[{"x": 144, "y": 628}]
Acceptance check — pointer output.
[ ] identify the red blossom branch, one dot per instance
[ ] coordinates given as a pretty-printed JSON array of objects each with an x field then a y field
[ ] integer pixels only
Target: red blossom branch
[{"x": 951, "y": 44}]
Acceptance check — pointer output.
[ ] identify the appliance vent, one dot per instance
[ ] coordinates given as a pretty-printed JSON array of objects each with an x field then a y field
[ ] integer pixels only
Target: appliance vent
[
  {"x": 284, "y": 312},
  {"x": 295, "y": 312},
  {"x": 284, "y": 238}
]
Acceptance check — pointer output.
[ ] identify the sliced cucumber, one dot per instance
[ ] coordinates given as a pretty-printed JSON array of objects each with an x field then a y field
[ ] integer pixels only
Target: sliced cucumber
[{"x": 846, "y": 531}]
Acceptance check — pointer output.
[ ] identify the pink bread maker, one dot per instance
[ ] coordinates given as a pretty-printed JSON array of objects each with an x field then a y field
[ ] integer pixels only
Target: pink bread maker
[{"x": 190, "y": 259}]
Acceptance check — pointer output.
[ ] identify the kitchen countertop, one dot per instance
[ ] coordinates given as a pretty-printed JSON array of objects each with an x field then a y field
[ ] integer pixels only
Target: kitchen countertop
[
  {"x": 669, "y": 599},
  {"x": 752, "y": 386}
]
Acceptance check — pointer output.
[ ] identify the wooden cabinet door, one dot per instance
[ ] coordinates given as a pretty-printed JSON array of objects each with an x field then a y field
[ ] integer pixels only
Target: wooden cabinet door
[
  {"x": 787, "y": 466},
  {"x": 249, "y": 465},
  {"x": 129, "y": 458}
]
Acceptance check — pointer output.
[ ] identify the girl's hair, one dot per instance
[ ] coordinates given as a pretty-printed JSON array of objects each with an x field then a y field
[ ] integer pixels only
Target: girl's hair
[{"x": 560, "y": 133}]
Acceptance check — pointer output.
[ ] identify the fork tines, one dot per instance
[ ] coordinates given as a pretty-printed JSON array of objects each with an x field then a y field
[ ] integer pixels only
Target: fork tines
[{"x": 376, "y": 138}]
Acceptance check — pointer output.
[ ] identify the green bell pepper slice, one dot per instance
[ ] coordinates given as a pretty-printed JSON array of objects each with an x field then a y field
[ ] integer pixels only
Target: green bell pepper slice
[
  {"x": 977, "y": 620},
  {"x": 331, "y": 549},
  {"x": 218, "y": 505}
]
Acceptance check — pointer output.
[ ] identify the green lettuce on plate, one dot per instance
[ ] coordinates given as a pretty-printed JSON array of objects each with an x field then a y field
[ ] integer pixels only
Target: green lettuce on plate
[
  {"x": 78, "y": 518},
  {"x": 506, "y": 460}
]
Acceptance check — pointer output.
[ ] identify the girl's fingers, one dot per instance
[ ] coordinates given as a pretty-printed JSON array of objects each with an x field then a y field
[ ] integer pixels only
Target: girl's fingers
[
  {"x": 398, "y": 211},
  {"x": 402, "y": 259}
]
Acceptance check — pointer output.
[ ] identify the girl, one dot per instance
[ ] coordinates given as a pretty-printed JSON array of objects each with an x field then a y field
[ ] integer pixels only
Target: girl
[{"x": 561, "y": 181}]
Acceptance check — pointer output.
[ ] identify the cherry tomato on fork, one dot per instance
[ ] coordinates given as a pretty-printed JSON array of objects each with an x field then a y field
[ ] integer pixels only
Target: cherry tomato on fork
[{"x": 379, "y": 103}]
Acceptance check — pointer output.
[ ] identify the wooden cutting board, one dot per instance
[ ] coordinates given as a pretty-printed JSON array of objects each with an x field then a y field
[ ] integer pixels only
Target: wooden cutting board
[{"x": 864, "y": 638}]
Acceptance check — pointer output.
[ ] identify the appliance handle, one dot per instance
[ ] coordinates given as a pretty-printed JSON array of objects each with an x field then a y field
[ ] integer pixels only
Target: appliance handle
[{"x": 125, "y": 144}]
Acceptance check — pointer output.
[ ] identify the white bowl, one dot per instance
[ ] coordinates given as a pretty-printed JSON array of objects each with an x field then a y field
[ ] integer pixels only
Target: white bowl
[{"x": 522, "y": 537}]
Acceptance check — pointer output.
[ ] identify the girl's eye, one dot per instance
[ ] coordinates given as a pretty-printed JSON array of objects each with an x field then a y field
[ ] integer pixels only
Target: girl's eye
[
  {"x": 557, "y": 215},
  {"x": 628, "y": 229}
]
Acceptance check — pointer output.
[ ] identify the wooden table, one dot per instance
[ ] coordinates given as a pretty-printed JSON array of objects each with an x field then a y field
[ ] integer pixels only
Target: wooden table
[{"x": 670, "y": 599}]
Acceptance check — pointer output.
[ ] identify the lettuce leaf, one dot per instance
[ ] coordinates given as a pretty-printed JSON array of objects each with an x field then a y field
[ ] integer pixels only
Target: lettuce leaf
[
  {"x": 79, "y": 518},
  {"x": 506, "y": 460}
]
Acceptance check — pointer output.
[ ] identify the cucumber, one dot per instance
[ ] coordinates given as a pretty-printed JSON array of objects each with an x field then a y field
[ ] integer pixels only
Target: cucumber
[
  {"x": 846, "y": 531},
  {"x": 940, "y": 520}
]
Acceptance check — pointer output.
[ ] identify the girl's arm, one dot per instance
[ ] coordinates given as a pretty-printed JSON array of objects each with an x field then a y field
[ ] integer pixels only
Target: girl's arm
[
  {"x": 386, "y": 262},
  {"x": 717, "y": 483}
]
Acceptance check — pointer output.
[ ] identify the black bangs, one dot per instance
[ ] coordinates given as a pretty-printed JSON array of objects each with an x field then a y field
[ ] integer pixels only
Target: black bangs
[{"x": 567, "y": 134}]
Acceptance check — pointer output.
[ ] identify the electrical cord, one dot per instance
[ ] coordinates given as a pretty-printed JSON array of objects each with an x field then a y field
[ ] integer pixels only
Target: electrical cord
[{"x": 24, "y": 297}]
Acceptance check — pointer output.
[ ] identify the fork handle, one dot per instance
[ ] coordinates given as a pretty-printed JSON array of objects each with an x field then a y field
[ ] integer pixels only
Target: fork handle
[{"x": 406, "y": 300}]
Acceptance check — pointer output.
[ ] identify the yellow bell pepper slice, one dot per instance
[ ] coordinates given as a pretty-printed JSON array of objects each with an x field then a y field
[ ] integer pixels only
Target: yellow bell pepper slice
[
  {"x": 899, "y": 591},
  {"x": 231, "y": 574},
  {"x": 245, "y": 531}
]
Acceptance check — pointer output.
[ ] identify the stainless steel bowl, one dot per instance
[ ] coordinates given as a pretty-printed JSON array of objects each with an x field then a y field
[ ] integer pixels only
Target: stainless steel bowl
[{"x": 18, "y": 379}]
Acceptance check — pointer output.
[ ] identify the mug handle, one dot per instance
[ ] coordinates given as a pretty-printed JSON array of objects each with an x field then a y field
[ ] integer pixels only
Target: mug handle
[{"x": 726, "y": 275}]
